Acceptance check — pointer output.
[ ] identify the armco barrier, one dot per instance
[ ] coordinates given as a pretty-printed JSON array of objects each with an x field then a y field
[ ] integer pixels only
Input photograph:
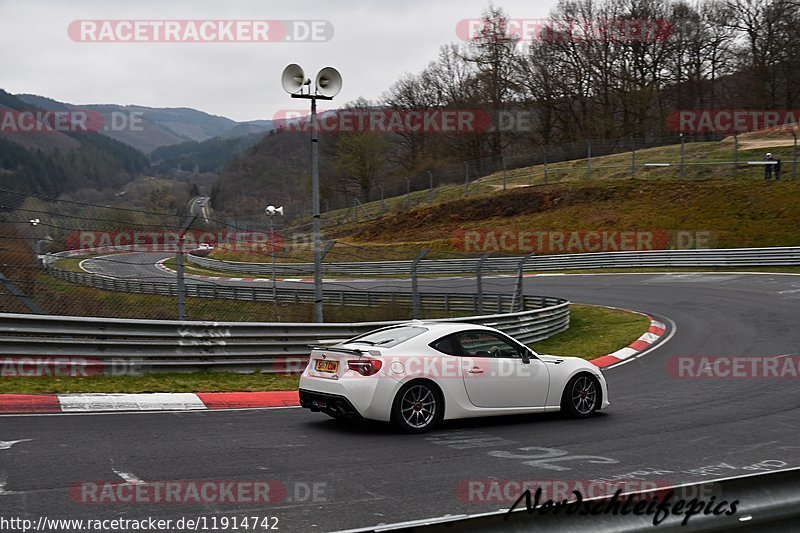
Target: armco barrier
[
  {"x": 734, "y": 257},
  {"x": 764, "y": 502},
  {"x": 448, "y": 302},
  {"x": 124, "y": 345}
]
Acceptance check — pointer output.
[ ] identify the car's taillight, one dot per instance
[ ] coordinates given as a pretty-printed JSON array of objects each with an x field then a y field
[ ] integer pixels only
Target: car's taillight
[{"x": 365, "y": 367}]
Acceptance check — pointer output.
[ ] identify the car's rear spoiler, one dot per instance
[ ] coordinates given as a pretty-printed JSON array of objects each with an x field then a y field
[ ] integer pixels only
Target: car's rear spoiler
[{"x": 351, "y": 351}]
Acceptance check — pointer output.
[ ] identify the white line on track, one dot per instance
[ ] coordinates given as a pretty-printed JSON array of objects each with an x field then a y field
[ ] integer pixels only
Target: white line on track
[
  {"x": 128, "y": 478},
  {"x": 6, "y": 444}
]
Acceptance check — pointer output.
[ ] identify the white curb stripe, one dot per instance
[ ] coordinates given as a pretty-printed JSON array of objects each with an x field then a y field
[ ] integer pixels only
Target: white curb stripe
[
  {"x": 624, "y": 353},
  {"x": 649, "y": 338},
  {"x": 130, "y": 402}
]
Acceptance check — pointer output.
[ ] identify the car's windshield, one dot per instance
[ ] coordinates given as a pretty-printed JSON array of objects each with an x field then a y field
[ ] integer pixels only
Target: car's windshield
[{"x": 389, "y": 338}]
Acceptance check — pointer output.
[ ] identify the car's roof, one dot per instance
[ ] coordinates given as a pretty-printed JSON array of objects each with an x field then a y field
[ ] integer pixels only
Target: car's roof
[{"x": 444, "y": 327}]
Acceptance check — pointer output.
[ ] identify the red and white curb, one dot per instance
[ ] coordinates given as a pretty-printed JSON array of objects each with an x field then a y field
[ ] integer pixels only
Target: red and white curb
[
  {"x": 654, "y": 333},
  {"x": 92, "y": 403}
]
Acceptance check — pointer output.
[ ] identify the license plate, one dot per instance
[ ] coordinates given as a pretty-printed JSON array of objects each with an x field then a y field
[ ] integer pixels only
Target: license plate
[{"x": 326, "y": 366}]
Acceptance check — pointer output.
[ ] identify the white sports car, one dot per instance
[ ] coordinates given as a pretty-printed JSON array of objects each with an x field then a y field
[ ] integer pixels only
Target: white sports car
[{"x": 420, "y": 373}]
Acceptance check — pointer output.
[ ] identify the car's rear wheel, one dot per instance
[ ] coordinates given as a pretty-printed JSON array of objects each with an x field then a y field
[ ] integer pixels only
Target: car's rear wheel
[
  {"x": 581, "y": 397},
  {"x": 417, "y": 408}
]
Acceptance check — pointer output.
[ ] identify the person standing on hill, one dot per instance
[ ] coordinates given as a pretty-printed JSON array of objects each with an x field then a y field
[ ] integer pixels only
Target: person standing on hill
[{"x": 768, "y": 166}]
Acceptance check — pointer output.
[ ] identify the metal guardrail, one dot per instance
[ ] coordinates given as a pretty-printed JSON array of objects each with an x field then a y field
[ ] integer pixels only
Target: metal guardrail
[
  {"x": 126, "y": 346},
  {"x": 764, "y": 502},
  {"x": 734, "y": 257},
  {"x": 448, "y": 302}
]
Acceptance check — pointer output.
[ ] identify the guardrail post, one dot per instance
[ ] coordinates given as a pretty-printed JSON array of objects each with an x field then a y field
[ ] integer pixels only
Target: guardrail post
[
  {"x": 794, "y": 153},
  {"x": 505, "y": 172},
  {"x": 414, "y": 287},
  {"x": 683, "y": 157},
  {"x": 179, "y": 270},
  {"x": 516, "y": 299},
  {"x": 588, "y": 160},
  {"x": 544, "y": 151},
  {"x": 479, "y": 281}
]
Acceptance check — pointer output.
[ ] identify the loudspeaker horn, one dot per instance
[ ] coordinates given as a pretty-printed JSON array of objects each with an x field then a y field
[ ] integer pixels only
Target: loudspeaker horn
[
  {"x": 329, "y": 82},
  {"x": 293, "y": 78}
]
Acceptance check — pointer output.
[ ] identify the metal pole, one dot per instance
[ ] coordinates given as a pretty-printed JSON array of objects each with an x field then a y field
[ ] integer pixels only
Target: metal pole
[
  {"x": 383, "y": 205},
  {"x": 466, "y": 178},
  {"x": 479, "y": 281},
  {"x": 683, "y": 157},
  {"x": 272, "y": 247},
  {"x": 588, "y": 160},
  {"x": 430, "y": 187},
  {"x": 544, "y": 149},
  {"x": 794, "y": 164},
  {"x": 735, "y": 154},
  {"x": 633, "y": 158},
  {"x": 414, "y": 285},
  {"x": 179, "y": 269},
  {"x": 318, "y": 314},
  {"x": 408, "y": 194},
  {"x": 505, "y": 173},
  {"x": 181, "y": 281},
  {"x": 518, "y": 296}
]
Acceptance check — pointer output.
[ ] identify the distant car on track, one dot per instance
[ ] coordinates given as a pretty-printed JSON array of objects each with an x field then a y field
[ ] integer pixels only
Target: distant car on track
[
  {"x": 203, "y": 249},
  {"x": 420, "y": 373}
]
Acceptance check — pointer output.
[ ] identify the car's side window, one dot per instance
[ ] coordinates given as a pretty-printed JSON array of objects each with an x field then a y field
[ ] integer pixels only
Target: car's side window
[
  {"x": 486, "y": 344},
  {"x": 446, "y": 345}
]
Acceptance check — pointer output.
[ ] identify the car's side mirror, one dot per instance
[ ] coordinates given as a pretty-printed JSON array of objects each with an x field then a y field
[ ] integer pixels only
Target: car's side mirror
[{"x": 526, "y": 357}]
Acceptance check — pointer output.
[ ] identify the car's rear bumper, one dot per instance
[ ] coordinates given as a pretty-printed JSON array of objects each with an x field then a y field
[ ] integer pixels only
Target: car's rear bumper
[
  {"x": 333, "y": 404},
  {"x": 368, "y": 397}
]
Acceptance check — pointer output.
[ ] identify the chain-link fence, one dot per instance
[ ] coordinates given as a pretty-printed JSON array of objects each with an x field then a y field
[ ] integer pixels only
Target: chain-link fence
[{"x": 677, "y": 157}]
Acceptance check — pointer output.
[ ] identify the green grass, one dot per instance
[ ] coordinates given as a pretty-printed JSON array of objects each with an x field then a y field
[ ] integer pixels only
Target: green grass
[
  {"x": 189, "y": 382},
  {"x": 71, "y": 264},
  {"x": 595, "y": 331},
  {"x": 64, "y": 298},
  {"x": 612, "y": 167}
]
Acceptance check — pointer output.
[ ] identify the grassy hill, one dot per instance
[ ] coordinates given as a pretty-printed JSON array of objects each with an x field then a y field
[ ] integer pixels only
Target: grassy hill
[{"x": 737, "y": 208}]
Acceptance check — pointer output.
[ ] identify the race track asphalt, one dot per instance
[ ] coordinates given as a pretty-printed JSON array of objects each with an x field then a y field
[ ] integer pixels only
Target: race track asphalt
[{"x": 659, "y": 427}]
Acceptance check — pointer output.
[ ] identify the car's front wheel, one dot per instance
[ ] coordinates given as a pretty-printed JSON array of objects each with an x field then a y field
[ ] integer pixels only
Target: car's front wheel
[
  {"x": 581, "y": 396},
  {"x": 417, "y": 407}
]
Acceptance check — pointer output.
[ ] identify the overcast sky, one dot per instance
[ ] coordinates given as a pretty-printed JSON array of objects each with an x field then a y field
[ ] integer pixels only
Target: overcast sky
[{"x": 375, "y": 42}]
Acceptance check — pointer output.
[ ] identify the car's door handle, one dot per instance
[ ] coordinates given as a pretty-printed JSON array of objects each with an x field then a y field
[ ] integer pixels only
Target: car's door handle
[{"x": 475, "y": 370}]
